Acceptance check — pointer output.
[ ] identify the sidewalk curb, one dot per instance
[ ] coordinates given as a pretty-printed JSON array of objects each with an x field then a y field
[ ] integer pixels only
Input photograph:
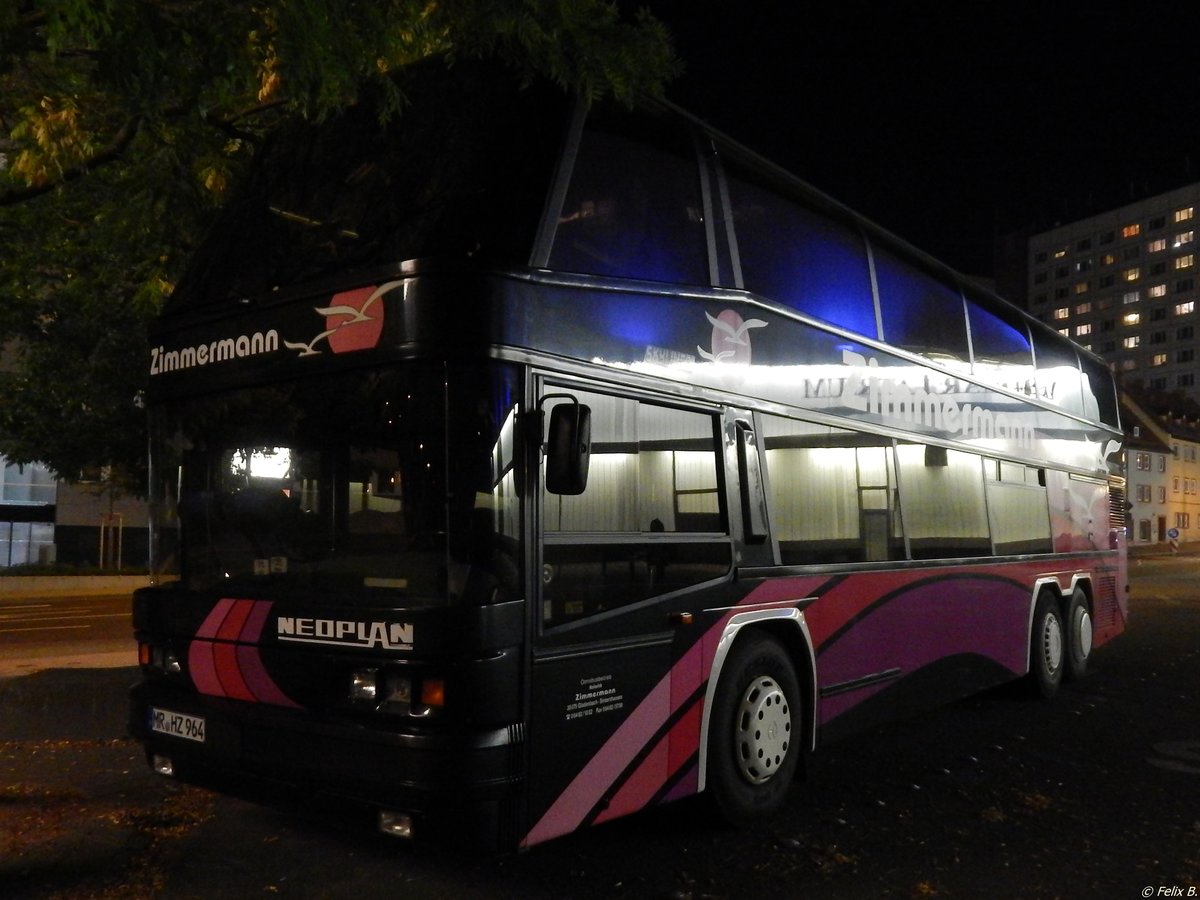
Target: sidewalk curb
[{"x": 26, "y": 587}]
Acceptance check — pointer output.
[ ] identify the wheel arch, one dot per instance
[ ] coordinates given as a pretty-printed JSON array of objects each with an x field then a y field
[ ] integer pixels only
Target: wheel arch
[
  {"x": 1062, "y": 595},
  {"x": 787, "y": 626}
]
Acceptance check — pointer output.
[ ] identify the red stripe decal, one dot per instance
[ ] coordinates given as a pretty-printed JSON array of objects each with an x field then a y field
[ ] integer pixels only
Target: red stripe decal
[
  {"x": 602, "y": 771},
  {"x": 213, "y": 622},
  {"x": 202, "y": 669},
  {"x": 253, "y": 628},
  {"x": 643, "y": 784},
  {"x": 201, "y": 664},
  {"x": 225, "y": 658},
  {"x": 685, "y": 737},
  {"x": 259, "y": 681},
  {"x": 232, "y": 626}
]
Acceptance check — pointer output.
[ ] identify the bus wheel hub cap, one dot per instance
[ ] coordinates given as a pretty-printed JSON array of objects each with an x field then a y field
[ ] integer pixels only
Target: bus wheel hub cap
[{"x": 764, "y": 730}]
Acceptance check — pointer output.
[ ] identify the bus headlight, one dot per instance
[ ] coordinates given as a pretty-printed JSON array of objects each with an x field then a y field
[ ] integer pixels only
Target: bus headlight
[
  {"x": 364, "y": 685},
  {"x": 394, "y": 690}
]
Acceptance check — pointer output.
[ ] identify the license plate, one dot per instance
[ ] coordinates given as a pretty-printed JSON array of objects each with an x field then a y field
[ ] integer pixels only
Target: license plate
[{"x": 177, "y": 724}]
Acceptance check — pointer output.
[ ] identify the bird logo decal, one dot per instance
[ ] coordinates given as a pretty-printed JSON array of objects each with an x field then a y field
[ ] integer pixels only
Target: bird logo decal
[
  {"x": 353, "y": 321},
  {"x": 730, "y": 337}
]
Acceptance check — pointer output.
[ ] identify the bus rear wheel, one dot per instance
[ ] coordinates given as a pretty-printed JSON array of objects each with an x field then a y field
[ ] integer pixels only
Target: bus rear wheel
[
  {"x": 1047, "y": 647},
  {"x": 1079, "y": 635},
  {"x": 755, "y": 734}
]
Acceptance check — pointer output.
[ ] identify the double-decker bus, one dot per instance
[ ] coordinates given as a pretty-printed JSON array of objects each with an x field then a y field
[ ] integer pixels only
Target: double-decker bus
[{"x": 523, "y": 464}]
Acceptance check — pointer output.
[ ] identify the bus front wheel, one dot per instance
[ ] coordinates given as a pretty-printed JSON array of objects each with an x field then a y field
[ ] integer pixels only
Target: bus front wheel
[
  {"x": 756, "y": 731},
  {"x": 1047, "y": 646}
]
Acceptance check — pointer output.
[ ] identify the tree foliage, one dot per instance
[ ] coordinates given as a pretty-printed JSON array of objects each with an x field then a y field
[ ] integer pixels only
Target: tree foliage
[{"x": 125, "y": 124}]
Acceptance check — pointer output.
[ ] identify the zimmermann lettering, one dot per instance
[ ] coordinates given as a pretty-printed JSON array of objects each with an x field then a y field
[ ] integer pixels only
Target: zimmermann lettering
[
  {"x": 898, "y": 402},
  {"x": 164, "y": 360},
  {"x": 388, "y": 635}
]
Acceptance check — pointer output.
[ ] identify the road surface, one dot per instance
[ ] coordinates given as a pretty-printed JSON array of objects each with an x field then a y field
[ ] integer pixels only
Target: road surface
[{"x": 65, "y": 632}]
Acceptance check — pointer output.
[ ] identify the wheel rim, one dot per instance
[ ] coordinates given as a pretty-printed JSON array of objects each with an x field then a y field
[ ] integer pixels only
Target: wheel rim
[
  {"x": 1052, "y": 644},
  {"x": 1082, "y": 632},
  {"x": 763, "y": 730}
]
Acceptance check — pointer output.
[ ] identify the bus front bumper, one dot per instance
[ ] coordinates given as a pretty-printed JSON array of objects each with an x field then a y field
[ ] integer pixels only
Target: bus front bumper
[{"x": 430, "y": 784}]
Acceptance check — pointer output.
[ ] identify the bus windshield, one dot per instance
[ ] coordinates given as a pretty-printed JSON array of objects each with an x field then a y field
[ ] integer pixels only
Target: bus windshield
[{"x": 399, "y": 480}]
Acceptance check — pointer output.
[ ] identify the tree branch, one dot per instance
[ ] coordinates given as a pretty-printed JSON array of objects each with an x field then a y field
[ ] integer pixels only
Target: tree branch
[{"x": 124, "y": 137}]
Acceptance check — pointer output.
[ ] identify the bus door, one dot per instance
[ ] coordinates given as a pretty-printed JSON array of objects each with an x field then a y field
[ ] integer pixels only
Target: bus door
[{"x": 625, "y": 559}]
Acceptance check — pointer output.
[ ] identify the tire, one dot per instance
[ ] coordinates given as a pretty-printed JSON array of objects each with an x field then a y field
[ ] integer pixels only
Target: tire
[
  {"x": 1078, "y": 633},
  {"x": 1047, "y": 646},
  {"x": 755, "y": 735}
]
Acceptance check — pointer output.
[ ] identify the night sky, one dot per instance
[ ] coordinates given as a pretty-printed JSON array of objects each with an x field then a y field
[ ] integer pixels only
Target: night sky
[{"x": 949, "y": 124}]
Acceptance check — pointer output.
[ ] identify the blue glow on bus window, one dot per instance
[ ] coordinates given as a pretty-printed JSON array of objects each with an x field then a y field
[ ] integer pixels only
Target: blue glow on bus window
[
  {"x": 802, "y": 260},
  {"x": 998, "y": 337},
  {"x": 920, "y": 313},
  {"x": 636, "y": 321}
]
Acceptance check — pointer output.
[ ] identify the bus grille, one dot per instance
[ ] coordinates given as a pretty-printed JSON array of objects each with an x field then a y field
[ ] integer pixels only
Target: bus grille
[
  {"x": 1116, "y": 505},
  {"x": 1105, "y": 606}
]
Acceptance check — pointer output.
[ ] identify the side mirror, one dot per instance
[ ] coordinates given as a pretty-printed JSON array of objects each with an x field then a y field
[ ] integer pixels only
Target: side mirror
[{"x": 568, "y": 446}]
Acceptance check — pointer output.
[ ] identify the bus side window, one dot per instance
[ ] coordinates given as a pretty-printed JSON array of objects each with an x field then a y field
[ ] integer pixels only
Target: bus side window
[
  {"x": 1059, "y": 380},
  {"x": 650, "y": 520},
  {"x": 942, "y": 490},
  {"x": 795, "y": 257},
  {"x": 833, "y": 493},
  {"x": 920, "y": 313},
  {"x": 633, "y": 208},
  {"x": 1000, "y": 344}
]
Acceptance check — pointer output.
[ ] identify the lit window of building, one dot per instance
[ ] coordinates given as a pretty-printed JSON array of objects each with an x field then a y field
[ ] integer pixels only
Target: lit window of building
[
  {"x": 1157, "y": 290},
  {"x": 1062, "y": 312},
  {"x": 1133, "y": 273},
  {"x": 1081, "y": 287},
  {"x": 1083, "y": 309},
  {"x": 1082, "y": 330},
  {"x": 1182, "y": 215},
  {"x": 1061, "y": 252},
  {"x": 1157, "y": 246},
  {"x": 1185, "y": 308},
  {"x": 1183, "y": 239},
  {"x": 1131, "y": 318},
  {"x": 1133, "y": 230},
  {"x": 1159, "y": 359},
  {"x": 1131, "y": 342},
  {"x": 1185, "y": 262}
]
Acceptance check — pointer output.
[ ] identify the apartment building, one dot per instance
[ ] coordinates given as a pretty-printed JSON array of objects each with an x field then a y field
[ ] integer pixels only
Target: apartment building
[
  {"x": 1125, "y": 284},
  {"x": 1162, "y": 465}
]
